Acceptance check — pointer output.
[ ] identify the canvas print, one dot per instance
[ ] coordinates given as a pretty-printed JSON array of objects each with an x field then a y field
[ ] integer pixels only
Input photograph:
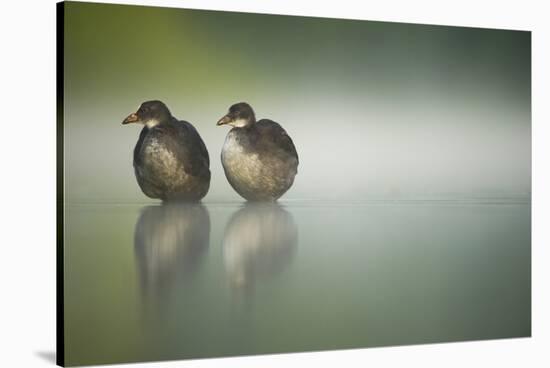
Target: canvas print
[{"x": 237, "y": 184}]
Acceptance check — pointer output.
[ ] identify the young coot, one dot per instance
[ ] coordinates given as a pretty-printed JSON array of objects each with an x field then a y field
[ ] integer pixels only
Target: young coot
[
  {"x": 258, "y": 157},
  {"x": 170, "y": 158}
]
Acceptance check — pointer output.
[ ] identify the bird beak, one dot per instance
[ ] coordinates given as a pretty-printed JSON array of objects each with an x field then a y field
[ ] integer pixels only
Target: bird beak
[
  {"x": 132, "y": 118},
  {"x": 225, "y": 120}
]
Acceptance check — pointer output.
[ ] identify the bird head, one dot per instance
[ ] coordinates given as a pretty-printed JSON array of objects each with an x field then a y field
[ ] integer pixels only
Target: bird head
[
  {"x": 239, "y": 115},
  {"x": 150, "y": 113}
]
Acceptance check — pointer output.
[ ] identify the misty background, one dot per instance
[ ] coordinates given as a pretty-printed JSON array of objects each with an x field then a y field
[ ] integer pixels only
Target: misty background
[
  {"x": 376, "y": 110},
  {"x": 400, "y": 113}
]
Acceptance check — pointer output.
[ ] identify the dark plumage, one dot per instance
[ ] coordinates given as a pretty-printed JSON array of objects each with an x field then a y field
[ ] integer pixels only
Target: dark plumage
[
  {"x": 170, "y": 158},
  {"x": 259, "y": 158}
]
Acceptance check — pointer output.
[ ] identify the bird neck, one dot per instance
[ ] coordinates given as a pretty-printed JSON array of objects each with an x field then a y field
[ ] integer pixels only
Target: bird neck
[
  {"x": 248, "y": 124},
  {"x": 151, "y": 123}
]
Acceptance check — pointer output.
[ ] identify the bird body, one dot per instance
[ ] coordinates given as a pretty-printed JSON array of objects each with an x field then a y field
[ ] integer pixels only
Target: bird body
[
  {"x": 259, "y": 158},
  {"x": 171, "y": 160}
]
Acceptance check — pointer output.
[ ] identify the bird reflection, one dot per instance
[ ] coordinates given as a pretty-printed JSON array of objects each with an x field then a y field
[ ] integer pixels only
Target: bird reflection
[
  {"x": 170, "y": 241},
  {"x": 259, "y": 241}
]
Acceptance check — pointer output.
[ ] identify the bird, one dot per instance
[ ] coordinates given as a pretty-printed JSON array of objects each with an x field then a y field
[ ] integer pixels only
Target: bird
[
  {"x": 171, "y": 161},
  {"x": 258, "y": 157}
]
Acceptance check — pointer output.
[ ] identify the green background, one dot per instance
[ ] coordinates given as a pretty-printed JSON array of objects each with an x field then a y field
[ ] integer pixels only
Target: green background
[
  {"x": 376, "y": 109},
  {"x": 409, "y": 220}
]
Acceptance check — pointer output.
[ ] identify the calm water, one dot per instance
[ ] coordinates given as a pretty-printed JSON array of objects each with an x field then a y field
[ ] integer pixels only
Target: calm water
[{"x": 191, "y": 281}]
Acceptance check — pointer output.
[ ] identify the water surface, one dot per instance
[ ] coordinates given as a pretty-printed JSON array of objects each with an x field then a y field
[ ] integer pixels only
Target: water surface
[{"x": 180, "y": 281}]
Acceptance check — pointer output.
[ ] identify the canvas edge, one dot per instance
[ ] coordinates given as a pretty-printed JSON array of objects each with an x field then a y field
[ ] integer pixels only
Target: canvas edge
[{"x": 60, "y": 200}]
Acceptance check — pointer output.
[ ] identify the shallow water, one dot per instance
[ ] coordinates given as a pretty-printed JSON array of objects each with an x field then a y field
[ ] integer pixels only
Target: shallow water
[{"x": 188, "y": 281}]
